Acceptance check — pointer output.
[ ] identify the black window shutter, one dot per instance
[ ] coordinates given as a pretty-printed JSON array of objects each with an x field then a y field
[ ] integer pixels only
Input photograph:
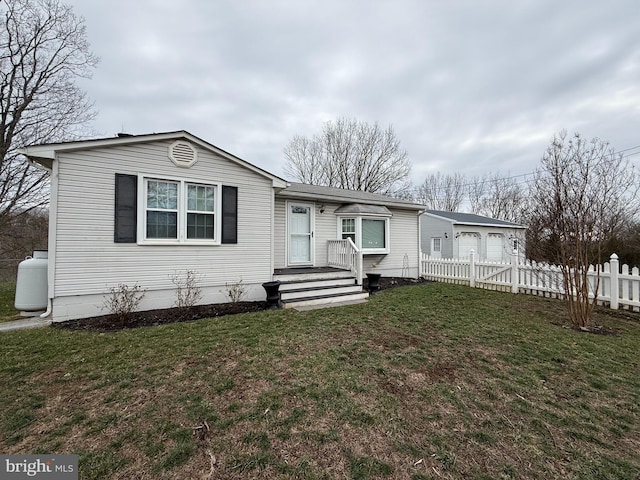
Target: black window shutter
[
  {"x": 229, "y": 214},
  {"x": 126, "y": 209}
]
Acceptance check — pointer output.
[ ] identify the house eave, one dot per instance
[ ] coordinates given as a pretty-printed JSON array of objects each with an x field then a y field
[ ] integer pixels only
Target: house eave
[
  {"x": 347, "y": 199},
  {"x": 491, "y": 225}
]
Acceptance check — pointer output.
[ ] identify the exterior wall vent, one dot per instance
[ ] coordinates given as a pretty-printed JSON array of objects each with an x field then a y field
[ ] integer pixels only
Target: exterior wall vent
[{"x": 183, "y": 154}]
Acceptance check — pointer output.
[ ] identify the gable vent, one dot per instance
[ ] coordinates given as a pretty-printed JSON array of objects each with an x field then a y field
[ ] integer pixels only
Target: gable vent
[{"x": 183, "y": 154}]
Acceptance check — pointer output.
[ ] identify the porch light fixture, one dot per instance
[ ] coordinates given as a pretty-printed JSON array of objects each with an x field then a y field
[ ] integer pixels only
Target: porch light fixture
[{"x": 321, "y": 208}]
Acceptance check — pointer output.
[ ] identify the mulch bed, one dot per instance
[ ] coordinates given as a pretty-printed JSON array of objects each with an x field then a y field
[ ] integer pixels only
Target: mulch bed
[
  {"x": 109, "y": 323},
  {"x": 147, "y": 318}
]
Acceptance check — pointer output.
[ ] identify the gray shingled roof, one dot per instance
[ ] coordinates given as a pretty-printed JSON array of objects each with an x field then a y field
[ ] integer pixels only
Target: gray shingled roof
[
  {"x": 341, "y": 195},
  {"x": 363, "y": 208},
  {"x": 472, "y": 219}
]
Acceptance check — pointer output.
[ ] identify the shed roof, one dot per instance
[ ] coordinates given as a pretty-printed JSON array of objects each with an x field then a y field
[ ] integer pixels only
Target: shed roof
[
  {"x": 458, "y": 218},
  {"x": 342, "y": 195},
  {"x": 363, "y": 209}
]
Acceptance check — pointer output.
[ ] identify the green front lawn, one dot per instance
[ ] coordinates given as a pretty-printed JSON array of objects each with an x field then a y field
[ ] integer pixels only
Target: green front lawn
[
  {"x": 7, "y": 297},
  {"x": 425, "y": 382}
]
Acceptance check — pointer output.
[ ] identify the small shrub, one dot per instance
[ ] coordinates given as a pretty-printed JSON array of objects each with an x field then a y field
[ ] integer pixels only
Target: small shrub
[
  {"x": 188, "y": 292},
  {"x": 123, "y": 300},
  {"x": 235, "y": 291}
]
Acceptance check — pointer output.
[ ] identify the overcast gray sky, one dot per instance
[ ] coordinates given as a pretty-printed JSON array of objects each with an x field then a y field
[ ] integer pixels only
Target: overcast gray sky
[{"x": 469, "y": 86}]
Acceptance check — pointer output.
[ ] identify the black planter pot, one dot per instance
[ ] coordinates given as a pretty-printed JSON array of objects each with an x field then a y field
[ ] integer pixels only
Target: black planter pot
[
  {"x": 373, "y": 282},
  {"x": 273, "y": 294}
]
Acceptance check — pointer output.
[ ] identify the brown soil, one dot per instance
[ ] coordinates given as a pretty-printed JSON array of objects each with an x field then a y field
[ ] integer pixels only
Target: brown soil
[
  {"x": 392, "y": 282},
  {"x": 108, "y": 323}
]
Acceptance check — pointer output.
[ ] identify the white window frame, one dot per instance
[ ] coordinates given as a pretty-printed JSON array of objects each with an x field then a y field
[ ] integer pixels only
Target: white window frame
[
  {"x": 358, "y": 220},
  {"x": 342, "y": 233},
  {"x": 182, "y": 212},
  {"x": 434, "y": 241}
]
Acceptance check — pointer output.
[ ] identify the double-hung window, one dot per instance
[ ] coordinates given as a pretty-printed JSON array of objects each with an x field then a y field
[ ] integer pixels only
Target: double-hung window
[
  {"x": 179, "y": 211},
  {"x": 162, "y": 209},
  {"x": 201, "y": 212},
  {"x": 348, "y": 229}
]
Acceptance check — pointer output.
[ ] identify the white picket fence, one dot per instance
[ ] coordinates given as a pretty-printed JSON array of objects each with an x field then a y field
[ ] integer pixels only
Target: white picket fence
[{"x": 618, "y": 287}]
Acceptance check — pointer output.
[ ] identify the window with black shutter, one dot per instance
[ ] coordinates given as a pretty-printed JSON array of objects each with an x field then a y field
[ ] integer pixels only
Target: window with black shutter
[
  {"x": 229, "y": 214},
  {"x": 174, "y": 211},
  {"x": 126, "y": 208}
]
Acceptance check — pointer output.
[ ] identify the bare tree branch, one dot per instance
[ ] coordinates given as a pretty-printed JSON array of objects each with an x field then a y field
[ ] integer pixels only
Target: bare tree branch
[
  {"x": 442, "y": 192},
  {"x": 582, "y": 195},
  {"x": 499, "y": 197},
  {"x": 350, "y": 154},
  {"x": 43, "y": 50}
]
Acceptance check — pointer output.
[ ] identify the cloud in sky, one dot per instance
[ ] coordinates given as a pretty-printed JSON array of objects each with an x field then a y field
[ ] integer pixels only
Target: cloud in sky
[{"x": 468, "y": 86}]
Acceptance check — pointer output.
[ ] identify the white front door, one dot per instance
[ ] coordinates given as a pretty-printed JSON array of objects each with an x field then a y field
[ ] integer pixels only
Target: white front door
[{"x": 300, "y": 221}]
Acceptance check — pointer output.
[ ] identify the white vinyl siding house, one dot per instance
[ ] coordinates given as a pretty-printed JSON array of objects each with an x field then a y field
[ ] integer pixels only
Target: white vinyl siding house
[
  {"x": 386, "y": 230},
  {"x": 139, "y": 210},
  {"x": 86, "y": 261}
]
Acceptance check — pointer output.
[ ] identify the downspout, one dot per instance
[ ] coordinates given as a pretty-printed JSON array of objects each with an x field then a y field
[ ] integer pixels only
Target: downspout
[
  {"x": 420, "y": 212},
  {"x": 49, "y": 308},
  {"x": 272, "y": 255}
]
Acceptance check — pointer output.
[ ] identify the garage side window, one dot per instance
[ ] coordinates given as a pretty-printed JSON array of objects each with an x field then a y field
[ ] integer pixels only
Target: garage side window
[{"x": 436, "y": 245}]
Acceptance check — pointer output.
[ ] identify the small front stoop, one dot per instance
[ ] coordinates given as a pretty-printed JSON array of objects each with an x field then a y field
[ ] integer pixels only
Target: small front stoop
[{"x": 317, "y": 288}]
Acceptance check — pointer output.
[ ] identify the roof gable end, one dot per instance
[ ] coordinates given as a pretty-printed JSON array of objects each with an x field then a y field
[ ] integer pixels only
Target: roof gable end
[{"x": 46, "y": 153}]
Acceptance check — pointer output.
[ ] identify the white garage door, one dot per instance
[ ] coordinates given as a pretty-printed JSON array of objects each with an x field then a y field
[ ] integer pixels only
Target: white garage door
[
  {"x": 495, "y": 247},
  {"x": 466, "y": 243}
]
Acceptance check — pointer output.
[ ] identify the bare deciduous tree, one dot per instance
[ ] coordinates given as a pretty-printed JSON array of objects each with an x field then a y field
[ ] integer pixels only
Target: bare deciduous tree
[
  {"x": 350, "y": 154},
  {"x": 442, "y": 192},
  {"x": 582, "y": 193},
  {"x": 495, "y": 196},
  {"x": 43, "y": 50}
]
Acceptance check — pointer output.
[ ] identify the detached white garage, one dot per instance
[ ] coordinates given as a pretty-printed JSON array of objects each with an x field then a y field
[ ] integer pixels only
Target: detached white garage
[{"x": 456, "y": 234}]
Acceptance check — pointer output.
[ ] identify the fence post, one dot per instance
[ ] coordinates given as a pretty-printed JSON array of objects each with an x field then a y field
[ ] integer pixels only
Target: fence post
[
  {"x": 614, "y": 292},
  {"x": 472, "y": 268},
  {"x": 514, "y": 271}
]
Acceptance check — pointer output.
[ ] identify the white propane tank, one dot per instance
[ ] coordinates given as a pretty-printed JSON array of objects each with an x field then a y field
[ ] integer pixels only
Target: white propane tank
[{"x": 31, "y": 283}]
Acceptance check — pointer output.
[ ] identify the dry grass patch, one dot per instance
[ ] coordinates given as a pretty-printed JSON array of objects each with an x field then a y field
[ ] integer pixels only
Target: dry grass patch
[{"x": 432, "y": 381}]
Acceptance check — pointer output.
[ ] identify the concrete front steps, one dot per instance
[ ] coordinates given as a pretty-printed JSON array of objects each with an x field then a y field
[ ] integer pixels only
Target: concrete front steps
[{"x": 318, "y": 287}]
